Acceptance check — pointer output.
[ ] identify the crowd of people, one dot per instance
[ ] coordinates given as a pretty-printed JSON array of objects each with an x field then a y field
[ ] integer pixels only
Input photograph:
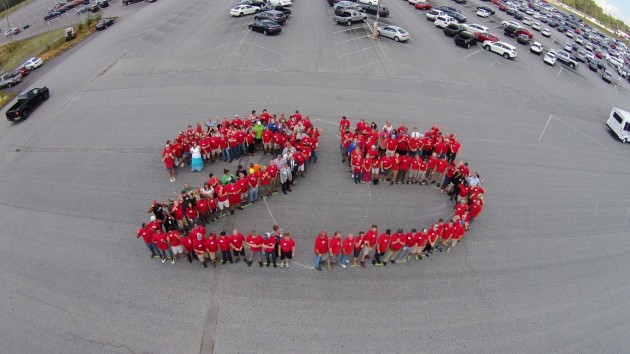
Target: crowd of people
[
  {"x": 227, "y": 140},
  {"x": 397, "y": 155},
  {"x": 178, "y": 227}
]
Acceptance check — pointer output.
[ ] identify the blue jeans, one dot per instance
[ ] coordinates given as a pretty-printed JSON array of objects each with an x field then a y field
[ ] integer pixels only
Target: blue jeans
[
  {"x": 252, "y": 194},
  {"x": 344, "y": 259},
  {"x": 404, "y": 253},
  {"x": 356, "y": 176},
  {"x": 166, "y": 253},
  {"x": 235, "y": 152},
  {"x": 313, "y": 156},
  {"x": 243, "y": 148},
  {"x": 319, "y": 259},
  {"x": 225, "y": 154},
  {"x": 153, "y": 248}
]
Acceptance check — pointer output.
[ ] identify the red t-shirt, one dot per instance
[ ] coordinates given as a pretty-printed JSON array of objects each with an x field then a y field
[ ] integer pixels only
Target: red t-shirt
[
  {"x": 458, "y": 231},
  {"x": 447, "y": 232},
  {"x": 383, "y": 242},
  {"x": 405, "y": 162},
  {"x": 187, "y": 243},
  {"x": 174, "y": 238},
  {"x": 224, "y": 243},
  {"x": 168, "y": 162},
  {"x": 286, "y": 245},
  {"x": 237, "y": 240},
  {"x": 335, "y": 245},
  {"x": 202, "y": 205},
  {"x": 433, "y": 234},
  {"x": 432, "y": 162},
  {"x": 161, "y": 241},
  {"x": 475, "y": 210},
  {"x": 321, "y": 245},
  {"x": 191, "y": 212},
  {"x": 178, "y": 211},
  {"x": 460, "y": 209},
  {"x": 463, "y": 191},
  {"x": 370, "y": 237},
  {"x": 412, "y": 239},
  {"x": 198, "y": 246},
  {"x": 347, "y": 245},
  {"x": 269, "y": 244},
  {"x": 211, "y": 244},
  {"x": 146, "y": 234},
  {"x": 395, "y": 242},
  {"x": 358, "y": 242},
  {"x": 421, "y": 239},
  {"x": 441, "y": 165},
  {"x": 257, "y": 241}
]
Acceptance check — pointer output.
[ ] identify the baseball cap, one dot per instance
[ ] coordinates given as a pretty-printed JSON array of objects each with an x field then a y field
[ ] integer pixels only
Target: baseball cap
[
  {"x": 400, "y": 230},
  {"x": 152, "y": 217},
  {"x": 323, "y": 233}
]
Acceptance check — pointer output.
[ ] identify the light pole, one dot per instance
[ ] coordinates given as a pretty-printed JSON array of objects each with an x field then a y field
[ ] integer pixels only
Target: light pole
[
  {"x": 378, "y": 12},
  {"x": 6, "y": 11}
]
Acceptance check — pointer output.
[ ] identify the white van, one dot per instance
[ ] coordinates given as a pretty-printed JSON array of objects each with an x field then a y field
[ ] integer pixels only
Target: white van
[{"x": 619, "y": 123}]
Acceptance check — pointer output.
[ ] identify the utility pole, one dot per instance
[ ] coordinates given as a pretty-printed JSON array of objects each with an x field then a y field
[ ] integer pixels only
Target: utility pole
[
  {"x": 6, "y": 11},
  {"x": 378, "y": 12}
]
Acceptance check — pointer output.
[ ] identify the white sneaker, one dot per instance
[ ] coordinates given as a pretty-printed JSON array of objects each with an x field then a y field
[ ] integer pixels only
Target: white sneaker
[
  {"x": 281, "y": 265},
  {"x": 343, "y": 265},
  {"x": 347, "y": 261},
  {"x": 287, "y": 265}
]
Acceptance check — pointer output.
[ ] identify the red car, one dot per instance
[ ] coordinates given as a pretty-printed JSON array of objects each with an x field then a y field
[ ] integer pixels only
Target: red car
[
  {"x": 502, "y": 7},
  {"x": 23, "y": 71},
  {"x": 599, "y": 54},
  {"x": 525, "y": 32},
  {"x": 496, "y": 2},
  {"x": 423, "y": 6},
  {"x": 485, "y": 36}
]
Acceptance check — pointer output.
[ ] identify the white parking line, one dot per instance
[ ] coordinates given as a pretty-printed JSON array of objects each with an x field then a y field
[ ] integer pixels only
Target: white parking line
[
  {"x": 356, "y": 51},
  {"x": 488, "y": 66},
  {"x": 349, "y": 29},
  {"x": 261, "y": 47},
  {"x": 546, "y": 125},
  {"x": 471, "y": 54},
  {"x": 348, "y": 40},
  {"x": 256, "y": 62},
  {"x": 559, "y": 72}
]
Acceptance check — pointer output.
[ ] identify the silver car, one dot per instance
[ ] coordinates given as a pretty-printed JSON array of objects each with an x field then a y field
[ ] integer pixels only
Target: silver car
[
  {"x": 393, "y": 32},
  {"x": 10, "y": 79}
]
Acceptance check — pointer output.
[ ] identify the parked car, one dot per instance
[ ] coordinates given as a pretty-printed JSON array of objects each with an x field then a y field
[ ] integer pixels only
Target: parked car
[
  {"x": 49, "y": 16},
  {"x": 23, "y": 71},
  {"x": 465, "y": 39},
  {"x": 486, "y": 36},
  {"x": 527, "y": 21},
  {"x": 536, "y": 48},
  {"x": 433, "y": 14},
  {"x": 241, "y": 10},
  {"x": 273, "y": 15},
  {"x": 83, "y": 10},
  {"x": 444, "y": 20},
  {"x": 266, "y": 27},
  {"x": 33, "y": 63},
  {"x": 10, "y": 79},
  {"x": 546, "y": 33},
  {"x": 476, "y": 28},
  {"x": 26, "y": 25},
  {"x": 102, "y": 3},
  {"x": 105, "y": 23},
  {"x": 486, "y": 8},
  {"x": 348, "y": 17},
  {"x": 373, "y": 9},
  {"x": 281, "y": 2},
  {"x": 393, "y": 32},
  {"x": 565, "y": 58},
  {"x": 536, "y": 26},
  {"x": 510, "y": 23},
  {"x": 423, "y": 6},
  {"x": 607, "y": 76},
  {"x": 483, "y": 13},
  {"x": 453, "y": 29},
  {"x": 550, "y": 59},
  {"x": 504, "y": 49},
  {"x": 26, "y": 102},
  {"x": 284, "y": 10},
  {"x": 523, "y": 39}
]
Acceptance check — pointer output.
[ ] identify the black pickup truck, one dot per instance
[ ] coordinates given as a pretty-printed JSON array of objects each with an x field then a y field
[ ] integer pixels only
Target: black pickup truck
[{"x": 26, "y": 102}]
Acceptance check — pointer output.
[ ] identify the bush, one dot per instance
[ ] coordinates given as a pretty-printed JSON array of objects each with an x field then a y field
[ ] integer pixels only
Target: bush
[{"x": 80, "y": 27}]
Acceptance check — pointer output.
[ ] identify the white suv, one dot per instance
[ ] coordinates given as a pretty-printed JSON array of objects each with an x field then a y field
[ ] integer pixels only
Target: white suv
[
  {"x": 506, "y": 50},
  {"x": 444, "y": 20}
]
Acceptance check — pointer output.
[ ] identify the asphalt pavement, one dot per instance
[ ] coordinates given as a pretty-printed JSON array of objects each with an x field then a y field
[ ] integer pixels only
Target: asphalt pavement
[{"x": 544, "y": 269}]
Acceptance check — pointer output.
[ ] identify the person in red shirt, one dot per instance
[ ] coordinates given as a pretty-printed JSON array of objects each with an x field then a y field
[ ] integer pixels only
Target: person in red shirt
[
  {"x": 422, "y": 174},
  {"x": 386, "y": 165},
  {"x": 174, "y": 239},
  {"x": 438, "y": 174},
  {"x": 334, "y": 248},
  {"x": 369, "y": 241},
  {"x": 462, "y": 194},
  {"x": 161, "y": 241},
  {"x": 203, "y": 209},
  {"x": 433, "y": 161},
  {"x": 410, "y": 240},
  {"x": 252, "y": 186},
  {"x": 237, "y": 243},
  {"x": 453, "y": 148},
  {"x": 254, "y": 243},
  {"x": 381, "y": 247},
  {"x": 395, "y": 245},
  {"x": 458, "y": 233},
  {"x": 358, "y": 247},
  {"x": 321, "y": 251},
  {"x": 192, "y": 214},
  {"x": 169, "y": 163},
  {"x": 180, "y": 217},
  {"x": 287, "y": 250},
  {"x": 344, "y": 125},
  {"x": 269, "y": 246},
  {"x": 434, "y": 235},
  {"x": 414, "y": 170},
  {"x": 347, "y": 250},
  {"x": 234, "y": 196},
  {"x": 448, "y": 177},
  {"x": 475, "y": 210},
  {"x": 189, "y": 249},
  {"x": 212, "y": 247},
  {"x": 199, "y": 248},
  {"x": 224, "y": 246},
  {"x": 366, "y": 169},
  {"x": 405, "y": 163},
  {"x": 357, "y": 165},
  {"x": 393, "y": 172},
  {"x": 447, "y": 233},
  {"x": 422, "y": 245},
  {"x": 147, "y": 237}
]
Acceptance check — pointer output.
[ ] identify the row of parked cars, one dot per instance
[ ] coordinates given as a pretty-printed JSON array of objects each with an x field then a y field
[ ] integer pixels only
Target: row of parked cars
[
  {"x": 269, "y": 15},
  {"x": 349, "y": 12},
  {"x": 14, "y": 77}
]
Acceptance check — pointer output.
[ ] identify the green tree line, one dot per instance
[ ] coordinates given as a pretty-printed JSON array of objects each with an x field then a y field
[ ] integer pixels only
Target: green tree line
[{"x": 590, "y": 8}]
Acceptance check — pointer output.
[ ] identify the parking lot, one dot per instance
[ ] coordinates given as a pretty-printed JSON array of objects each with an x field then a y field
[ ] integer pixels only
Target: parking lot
[{"x": 543, "y": 269}]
